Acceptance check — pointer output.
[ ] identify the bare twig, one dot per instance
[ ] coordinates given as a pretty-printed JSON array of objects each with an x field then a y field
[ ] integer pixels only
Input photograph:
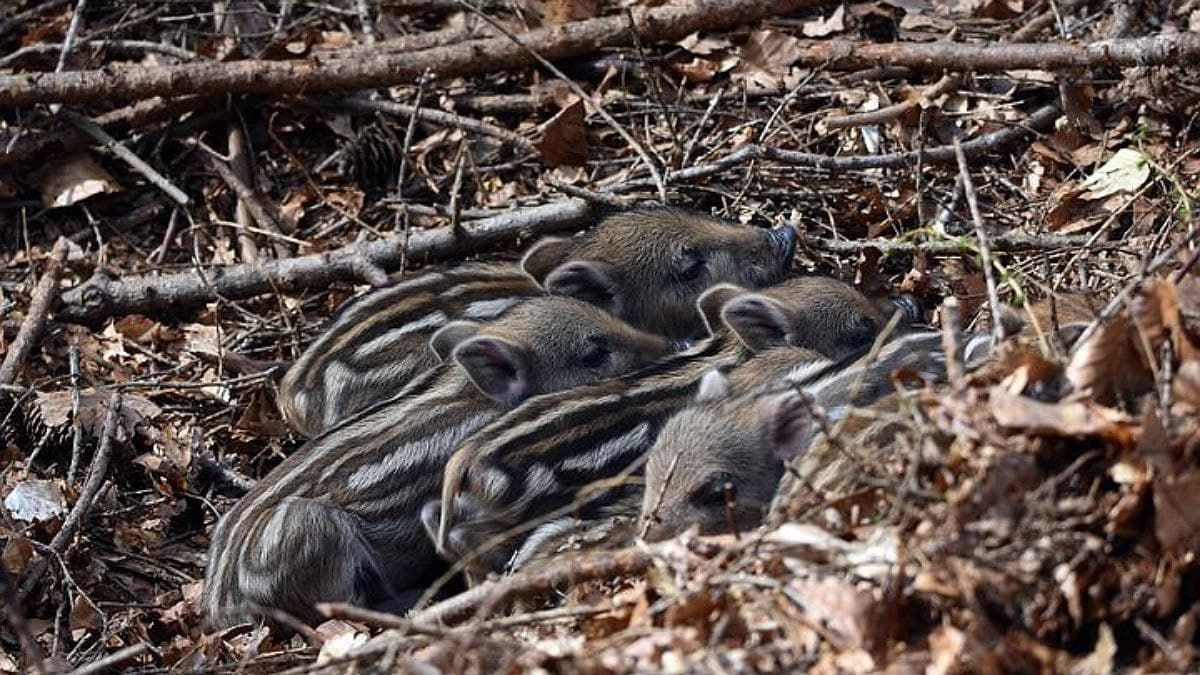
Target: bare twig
[
  {"x": 952, "y": 338},
  {"x": 116, "y": 658},
  {"x": 91, "y": 489},
  {"x": 23, "y": 147},
  {"x": 72, "y": 31},
  {"x": 118, "y": 46},
  {"x": 589, "y": 101},
  {"x": 107, "y": 142},
  {"x": 77, "y": 435},
  {"x": 35, "y": 319},
  {"x": 246, "y": 196},
  {"x": 947, "y": 84},
  {"x": 985, "y": 248},
  {"x": 441, "y": 117},
  {"x": 102, "y": 296},
  {"x": 987, "y": 143}
]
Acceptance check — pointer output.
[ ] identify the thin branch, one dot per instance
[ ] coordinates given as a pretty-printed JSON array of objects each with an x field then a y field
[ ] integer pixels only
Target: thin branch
[
  {"x": 35, "y": 318},
  {"x": 985, "y": 248},
  {"x": 446, "y": 119},
  {"x": 72, "y": 31},
  {"x": 117, "y": 148},
  {"x": 951, "y": 318},
  {"x": 116, "y": 658},
  {"x": 987, "y": 143}
]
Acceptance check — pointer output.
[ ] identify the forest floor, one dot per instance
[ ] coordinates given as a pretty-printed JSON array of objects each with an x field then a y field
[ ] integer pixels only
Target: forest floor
[{"x": 1001, "y": 532}]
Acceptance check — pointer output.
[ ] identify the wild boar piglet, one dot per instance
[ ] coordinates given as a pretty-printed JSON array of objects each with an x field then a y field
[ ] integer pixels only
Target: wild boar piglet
[{"x": 338, "y": 521}]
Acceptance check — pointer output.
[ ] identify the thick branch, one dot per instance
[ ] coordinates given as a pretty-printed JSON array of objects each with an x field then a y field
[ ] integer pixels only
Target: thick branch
[
  {"x": 35, "y": 318},
  {"x": 473, "y": 57},
  {"x": 1006, "y": 243},
  {"x": 1173, "y": 49},
  {"x": 101, "y": 296}
]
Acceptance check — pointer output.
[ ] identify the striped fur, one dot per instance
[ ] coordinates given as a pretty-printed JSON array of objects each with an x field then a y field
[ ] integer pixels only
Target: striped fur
[
  {"x": 339, "y": 519},
  {"x": 535, "y": 459},
  {"x": 719, "y": 461},
  {"x": 646, "y": 267},
  {"x": 377, "y": 343}
]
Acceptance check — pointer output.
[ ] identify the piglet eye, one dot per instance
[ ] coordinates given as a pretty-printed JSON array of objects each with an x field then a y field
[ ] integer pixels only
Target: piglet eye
[
  {"x": 691, "y": 266},
  {"x": 597, "y": 356},
  {"x": 715, "y": 492}
]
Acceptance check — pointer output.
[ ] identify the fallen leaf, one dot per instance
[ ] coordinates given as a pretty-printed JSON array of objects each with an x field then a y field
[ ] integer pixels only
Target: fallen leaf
[
  {"x": 704, "y": 46},
  {"x": 73, "y": 181},
  {"x": 17, "y": 552},
  {"x": 820, "y": 27},
  {"x": 36, "y": 501},
  {"x": 555, "y": 12},
  {"x": 772, "y": 51},
  {"x": 1125, "y": 171},
  {"x": 55, "y": 410},
  {"x": 85, "y": 618},
  {"x": 1079, "y": 418},
  {"x": 564, "y": 138},
  {"x": 1177, "y": 511}
]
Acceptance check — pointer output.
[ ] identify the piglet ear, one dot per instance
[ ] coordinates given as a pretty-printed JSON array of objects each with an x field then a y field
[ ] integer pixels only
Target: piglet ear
[
  {"x": 449, "y": 336},
  {"x": 713, "y": 386},
  {"x": 788, "y": 424},
  {"x": 541, "y": 258},
  {"x": 759, "y": 321},
  {"x": 711, "y": 301},
  {"x": 499, "y": 368},
  {"x": 586, "y": 280}
]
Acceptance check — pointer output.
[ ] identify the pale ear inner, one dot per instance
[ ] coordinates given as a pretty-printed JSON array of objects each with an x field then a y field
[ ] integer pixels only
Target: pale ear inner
[
  {"x": 586, "y": 280},
  {"x": 713, "y": 386},
  {"x": 789, "y": 424},
  {"x": 545, "y": 255},
  {"x": 758, "y": 321},
  {"x": 712, "y": 301},
  {"x": 497, "y": 367},
  {"x": 446, "y": 338}
]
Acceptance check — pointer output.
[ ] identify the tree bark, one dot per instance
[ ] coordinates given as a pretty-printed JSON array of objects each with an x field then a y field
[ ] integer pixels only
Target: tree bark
[{"x": 311, "y": 76}]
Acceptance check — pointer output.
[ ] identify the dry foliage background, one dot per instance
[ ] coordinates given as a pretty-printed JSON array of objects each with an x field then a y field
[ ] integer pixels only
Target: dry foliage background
[{"x": 1001, "y": 532}]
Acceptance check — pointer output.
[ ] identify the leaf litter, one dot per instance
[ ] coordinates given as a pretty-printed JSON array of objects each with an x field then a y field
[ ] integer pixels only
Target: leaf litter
[{"x": 1041, "y": 517}]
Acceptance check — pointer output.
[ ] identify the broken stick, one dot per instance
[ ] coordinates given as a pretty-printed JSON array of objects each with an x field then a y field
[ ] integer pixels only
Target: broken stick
[
  {"x": 103, "y": 296},
  {"x": 35, "y": 318}
]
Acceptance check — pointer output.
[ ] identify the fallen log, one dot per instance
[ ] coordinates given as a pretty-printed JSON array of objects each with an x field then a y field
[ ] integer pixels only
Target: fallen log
[
  {"x": 103, "y": 296},
  {"x": 472, "y": 57}
]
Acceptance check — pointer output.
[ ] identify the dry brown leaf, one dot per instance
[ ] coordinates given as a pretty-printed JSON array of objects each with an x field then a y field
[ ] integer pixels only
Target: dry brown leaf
[
  {"x": 820, "y": 27},
  {"x": 17, "y": 552},
  {"x": 55, "y": 409},
  {"x": 1080, "y": 418},
  {"x": 1090, "y": 369},
  {"x": 74, "y": 180},
  {"x": 1177, "y": 511},
  {"x": 564, "y": 138},
  {"x": 772, "y": 50},
  {"x": 555, "y": 12},
  {"x": 85, "y": 618}
]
